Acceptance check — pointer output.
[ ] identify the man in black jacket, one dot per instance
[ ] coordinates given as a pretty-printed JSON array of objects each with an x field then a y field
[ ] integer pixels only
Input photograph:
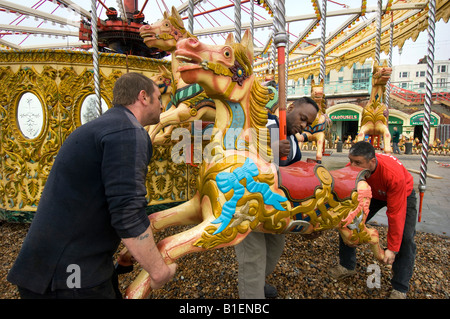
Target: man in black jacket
[{"x": 94, "y": 198}]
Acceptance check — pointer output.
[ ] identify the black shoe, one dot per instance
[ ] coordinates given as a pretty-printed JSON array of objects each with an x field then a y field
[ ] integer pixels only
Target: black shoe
[{"x": 270, "y": 291}]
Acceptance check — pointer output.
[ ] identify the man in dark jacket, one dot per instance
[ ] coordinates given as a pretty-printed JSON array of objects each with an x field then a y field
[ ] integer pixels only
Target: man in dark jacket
[{"x": 94, "y": 198}]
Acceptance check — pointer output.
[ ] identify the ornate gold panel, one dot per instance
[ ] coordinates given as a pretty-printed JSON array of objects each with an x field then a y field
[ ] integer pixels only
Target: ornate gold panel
[{"x": 62, "y": 80}]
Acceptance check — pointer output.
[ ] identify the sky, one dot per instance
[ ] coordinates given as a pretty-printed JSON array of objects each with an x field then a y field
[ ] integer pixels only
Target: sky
[{"x": 411, "y": 52}]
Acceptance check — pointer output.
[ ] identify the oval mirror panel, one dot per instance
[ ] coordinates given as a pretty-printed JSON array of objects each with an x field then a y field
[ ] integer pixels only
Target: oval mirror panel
[
  {"x": 89, "y": 109},
  {"x": 30, "y": 115}
]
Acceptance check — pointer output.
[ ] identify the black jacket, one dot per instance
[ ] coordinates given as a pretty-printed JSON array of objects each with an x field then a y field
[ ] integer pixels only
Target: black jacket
[
  {"x": 94, "y": 196},
  {"x": 295, "y": 153}
]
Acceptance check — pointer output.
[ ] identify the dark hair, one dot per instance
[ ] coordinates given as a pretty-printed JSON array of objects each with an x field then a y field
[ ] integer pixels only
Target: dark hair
[
  {"x": 364, "y": 149},
  {"x": 127, "y": 88},
  {"x": 306, "y": 100}
]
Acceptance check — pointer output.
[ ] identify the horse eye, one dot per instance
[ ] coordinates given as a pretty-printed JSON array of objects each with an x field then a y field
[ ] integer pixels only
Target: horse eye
[{"x": 227, "y": 54}]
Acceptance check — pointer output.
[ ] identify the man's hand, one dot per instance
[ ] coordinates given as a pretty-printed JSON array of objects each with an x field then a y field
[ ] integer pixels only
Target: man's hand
[
  {"x": 284, "y": 147},
  {"x": 160, "y": 282},
  {"x": 143, "y": 248},
  {"x": 125, "y": 258},
  {"x": 389, "y": 257}
]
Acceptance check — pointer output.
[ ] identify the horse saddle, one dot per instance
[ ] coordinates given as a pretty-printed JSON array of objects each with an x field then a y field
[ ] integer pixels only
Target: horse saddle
[{"x": 300, "y": 180}]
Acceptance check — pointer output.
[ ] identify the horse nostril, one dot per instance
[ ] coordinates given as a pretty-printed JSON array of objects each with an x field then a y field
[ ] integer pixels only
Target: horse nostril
[{"x": 193, "y": 41}]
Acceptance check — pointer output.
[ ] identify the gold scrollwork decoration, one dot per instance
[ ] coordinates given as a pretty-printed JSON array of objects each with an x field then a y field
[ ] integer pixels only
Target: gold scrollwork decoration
[{"x": 61, "y": 80}]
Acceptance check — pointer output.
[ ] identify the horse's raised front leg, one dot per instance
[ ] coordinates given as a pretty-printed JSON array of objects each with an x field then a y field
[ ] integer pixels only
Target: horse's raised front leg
[
  {"x": 176, "y": 246},
  {"x": 348, "y": 236},
  {"x": 353, "y": 228},
  {"x": 171, "y": 248},
  {"x": 188, "y": 213}
]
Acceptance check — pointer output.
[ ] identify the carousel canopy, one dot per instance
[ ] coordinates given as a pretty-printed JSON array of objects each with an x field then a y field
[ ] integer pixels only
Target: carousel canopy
[{"x": 350, "y": 35}]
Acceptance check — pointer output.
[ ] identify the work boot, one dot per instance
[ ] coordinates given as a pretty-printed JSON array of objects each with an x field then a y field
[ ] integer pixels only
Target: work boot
[
  {"x": 340, "y": 272},
  {"x": 270, "y": 291},
  {"x": 395, "y": 294}
]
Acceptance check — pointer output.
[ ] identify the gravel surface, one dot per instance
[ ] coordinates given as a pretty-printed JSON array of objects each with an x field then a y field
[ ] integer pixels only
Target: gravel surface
[{"x": 301, "y": 272}]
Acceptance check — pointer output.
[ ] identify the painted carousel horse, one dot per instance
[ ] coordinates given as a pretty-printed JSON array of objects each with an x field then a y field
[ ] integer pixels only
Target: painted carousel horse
[
  {"x": 240, "y": 189},
  {"x": 316, "y": 131},
  {"x": 374, "y": 118},
  {"x": 164, "y": 81},
  {"x": 189, "y": 102}
]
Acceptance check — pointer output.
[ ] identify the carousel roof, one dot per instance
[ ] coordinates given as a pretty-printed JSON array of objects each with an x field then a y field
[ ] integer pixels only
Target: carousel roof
[{"x": 350, "y": 25}]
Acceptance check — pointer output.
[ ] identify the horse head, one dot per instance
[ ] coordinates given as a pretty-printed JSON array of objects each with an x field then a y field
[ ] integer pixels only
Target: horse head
[
  {"x": 381, "y": 74},
  {"x": 164, "y": 34},
  {"x": 163, "y": 80},
  {"x": 217, "y": 68}
]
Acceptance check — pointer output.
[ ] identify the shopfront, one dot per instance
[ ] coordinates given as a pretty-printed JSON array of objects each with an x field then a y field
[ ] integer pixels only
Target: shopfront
[
  {"x": 345, "y": 121},
  {"x": 416, "y": 122}
]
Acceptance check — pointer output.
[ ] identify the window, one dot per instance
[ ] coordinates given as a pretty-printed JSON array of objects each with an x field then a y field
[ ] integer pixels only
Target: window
[
  {"x": 341, "y": 79},
  {"x": 361, "y": 76},
  {"x": 420, "y": 74},
  {"x": 404, "y": 85},
  {"x": 442, "y": 68},
  {"x": 442, "y": 83},
  {"x": 421, "y": 85},
  {"x": 403, "y": 75}
]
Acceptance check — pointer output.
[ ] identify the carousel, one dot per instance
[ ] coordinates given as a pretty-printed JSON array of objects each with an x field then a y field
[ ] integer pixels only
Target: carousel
[{"x": 233, "y": 59}]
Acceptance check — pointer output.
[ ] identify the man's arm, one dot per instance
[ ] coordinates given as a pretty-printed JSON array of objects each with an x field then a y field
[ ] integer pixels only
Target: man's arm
[{"x": 145, "y": 251}]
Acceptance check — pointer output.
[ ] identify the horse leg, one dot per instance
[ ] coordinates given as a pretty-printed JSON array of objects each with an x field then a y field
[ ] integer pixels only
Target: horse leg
[
  {"x": 320, "y": 144},
  {"x": 171, "y": 248},
  {"x": 188, "y": 213},
  {"x": 362, "y": 133},
  {"x": 166, "y": 118},
  {"x": 387, "y": 140},
  {"x": 176, "y": 246},
  {"x": 360, "y": 233},
  {"x": 349, "y": 239}
]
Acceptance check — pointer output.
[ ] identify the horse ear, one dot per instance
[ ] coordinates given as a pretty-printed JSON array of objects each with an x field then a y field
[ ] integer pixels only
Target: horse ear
[
  {"x": 230, "y": 39},
  {"x": 313, "y": 82},
  {"x": 321, "y": 82},
  {"x": 165, "y": 15},
  {"x": 247, "y": 42},
  {"x": 166, "y": 71},
  {"x": 175, "y": 14}
]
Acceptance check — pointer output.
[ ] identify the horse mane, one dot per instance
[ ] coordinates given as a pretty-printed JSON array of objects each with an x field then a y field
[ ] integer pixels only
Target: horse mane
[
  {"x": 177, "y": 22},
  {"x": 259, "y": 97}
]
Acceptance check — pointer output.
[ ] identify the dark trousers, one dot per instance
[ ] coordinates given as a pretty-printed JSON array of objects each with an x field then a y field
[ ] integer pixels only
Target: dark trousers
[
  {"x": 403, "y": 265},
  {"x": 106, "y": 290}
]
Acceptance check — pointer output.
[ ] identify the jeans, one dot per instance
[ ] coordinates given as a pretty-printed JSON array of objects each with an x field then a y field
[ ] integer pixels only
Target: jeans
[
  {"x": 395, "y": 148},
  {"x": 403, "y": 265},
  {"x": 106, "y": 290}
]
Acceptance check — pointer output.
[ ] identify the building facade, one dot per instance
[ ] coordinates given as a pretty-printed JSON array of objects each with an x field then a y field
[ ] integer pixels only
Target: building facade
[
  {"x": 348, "y": 90},
  {"x": 413, "y": 76}
]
